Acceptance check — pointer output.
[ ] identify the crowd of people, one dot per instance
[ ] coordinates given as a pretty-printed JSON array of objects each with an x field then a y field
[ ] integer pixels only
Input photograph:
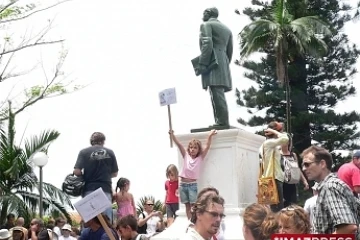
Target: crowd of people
[{"x": 332, "y": 209}]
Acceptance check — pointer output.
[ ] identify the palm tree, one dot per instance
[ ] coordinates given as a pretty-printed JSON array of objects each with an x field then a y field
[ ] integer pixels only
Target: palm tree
[
  {"x": 158, "y": 205},
  {"x": 17, "y": 178},
  {"x": 286, "y": 36}
]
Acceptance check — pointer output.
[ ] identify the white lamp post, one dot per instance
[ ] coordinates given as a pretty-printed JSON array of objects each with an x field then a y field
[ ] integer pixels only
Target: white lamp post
[{"x": 40, "y": 159}]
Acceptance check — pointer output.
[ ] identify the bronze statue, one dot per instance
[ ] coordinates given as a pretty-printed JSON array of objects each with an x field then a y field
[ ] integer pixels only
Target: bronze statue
[{"x": 216, "y": 45}]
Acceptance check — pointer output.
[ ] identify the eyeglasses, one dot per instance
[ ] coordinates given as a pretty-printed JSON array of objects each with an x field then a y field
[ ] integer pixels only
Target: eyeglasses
[
  {"x": 150, "y": 204},
  {"x": 307, "y": 164},
  {"x": 216, "y": 215}
]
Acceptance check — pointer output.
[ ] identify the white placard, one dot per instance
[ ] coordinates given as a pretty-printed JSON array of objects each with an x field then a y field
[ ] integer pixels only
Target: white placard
[
  {"x": 92, "y": 205},
  {"x": 167, "y": 97}
]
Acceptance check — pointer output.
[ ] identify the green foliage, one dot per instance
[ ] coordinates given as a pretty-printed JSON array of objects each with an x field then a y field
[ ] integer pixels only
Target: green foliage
[
  {"x": 17, "y": 178},
  {"x": 285, "y": 36},
  {"x": 55, "y": 85},
  {"x": 158, "y": 205},
  {"x": 13, "y": 11},
  {"x": 317, "y": 84}
]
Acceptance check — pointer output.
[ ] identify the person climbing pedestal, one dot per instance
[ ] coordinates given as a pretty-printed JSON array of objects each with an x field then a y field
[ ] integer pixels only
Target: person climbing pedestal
[{"x": 231, "y": 166}]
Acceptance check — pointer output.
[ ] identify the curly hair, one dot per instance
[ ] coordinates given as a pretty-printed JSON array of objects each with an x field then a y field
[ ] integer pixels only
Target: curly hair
[
  {"x": 260, "y": 221},
  {"x": 295, "y": 217},
  {"x": 203, "y": 202},
  {"x": 121, "y": 184},
  {"x": 195, "y": 142}
]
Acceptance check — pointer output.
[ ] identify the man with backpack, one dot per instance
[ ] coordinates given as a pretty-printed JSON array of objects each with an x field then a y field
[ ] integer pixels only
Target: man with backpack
[{"x": 97, "y": 164}]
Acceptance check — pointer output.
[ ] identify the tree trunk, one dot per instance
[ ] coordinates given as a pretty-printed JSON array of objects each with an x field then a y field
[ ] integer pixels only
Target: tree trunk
[
  {"x": 288, "y": 100},
  {"x": 299, "y": 104}
]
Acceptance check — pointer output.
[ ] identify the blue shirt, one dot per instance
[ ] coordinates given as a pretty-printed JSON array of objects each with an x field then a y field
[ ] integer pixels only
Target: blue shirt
[{"x": 100, "y": 234}]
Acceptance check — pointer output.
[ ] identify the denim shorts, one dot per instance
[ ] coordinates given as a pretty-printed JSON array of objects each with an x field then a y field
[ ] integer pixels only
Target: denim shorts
[
  {"x": 188, "y": 192},
  {"x": 171, "y": 209}
]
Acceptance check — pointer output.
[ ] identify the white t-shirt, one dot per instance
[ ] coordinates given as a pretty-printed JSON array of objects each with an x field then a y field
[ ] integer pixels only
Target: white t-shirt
[
  {"x": 219, "y": 235},
  {"x": 57, "y": 230},
  {"x": 192, "y": 234},
  {"x": 309, "y": 206},
  {"x": 67, "y": 238},
  {"x": 151, "y": 224}
]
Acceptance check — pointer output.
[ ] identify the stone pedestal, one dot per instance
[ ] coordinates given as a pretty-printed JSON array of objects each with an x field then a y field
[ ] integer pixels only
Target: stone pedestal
[{"x": 231, "y": 166}]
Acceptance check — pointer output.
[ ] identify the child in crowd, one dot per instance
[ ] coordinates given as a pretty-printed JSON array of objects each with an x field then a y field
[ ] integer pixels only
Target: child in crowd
[
  {"x": 172, "y": 195},
  {"x": 124, "y": 199},
  {"x": 193, "y": 159}
]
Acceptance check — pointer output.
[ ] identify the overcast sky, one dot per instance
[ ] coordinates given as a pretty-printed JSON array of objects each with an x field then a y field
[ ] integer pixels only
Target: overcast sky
[{"x": 128, "y": 51}]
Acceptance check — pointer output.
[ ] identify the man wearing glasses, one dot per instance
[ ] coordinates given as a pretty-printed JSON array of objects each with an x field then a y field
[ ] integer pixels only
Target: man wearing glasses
[
  {"x": 207, "y": 214},
  {"x": 336, "y": 206}
]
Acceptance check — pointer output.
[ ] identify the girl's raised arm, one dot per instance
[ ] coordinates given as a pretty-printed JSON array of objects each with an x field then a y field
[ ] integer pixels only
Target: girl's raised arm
[
  {"x": 208, "y": 143},
  {"x": 178, "y": 144}
]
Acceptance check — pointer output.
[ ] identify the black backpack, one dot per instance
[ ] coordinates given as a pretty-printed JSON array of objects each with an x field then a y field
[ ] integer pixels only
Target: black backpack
[
  {"x": 73, "y": 185},
  {"x": 142, "y": 229}
]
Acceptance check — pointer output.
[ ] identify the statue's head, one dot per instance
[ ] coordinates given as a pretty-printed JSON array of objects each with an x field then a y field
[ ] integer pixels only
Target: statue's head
[{"x": 210, "y": 13}]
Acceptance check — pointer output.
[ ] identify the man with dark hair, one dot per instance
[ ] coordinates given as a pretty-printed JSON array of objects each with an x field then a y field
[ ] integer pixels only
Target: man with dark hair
[
  {"x": 10, "y": 222},
  {"x": 207, "y": 215},
  {"x": 336, "y": 206},
  {"x": 98, "y": 165},
  {"x": 127, "y": 228},
  {"x": 350, "y": 173},
  {"x": 216, "y": 45},
  {"x": 95, "y": 231}
]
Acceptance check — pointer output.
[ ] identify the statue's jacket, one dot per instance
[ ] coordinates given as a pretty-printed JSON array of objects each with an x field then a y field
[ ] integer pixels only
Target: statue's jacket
[{"x": 216, "y": 41}]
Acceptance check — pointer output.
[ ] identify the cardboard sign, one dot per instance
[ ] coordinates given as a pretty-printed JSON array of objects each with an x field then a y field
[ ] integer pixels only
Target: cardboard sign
[
  {"x": 167, "y": 97},
  {"x": 92, "y": 205}
]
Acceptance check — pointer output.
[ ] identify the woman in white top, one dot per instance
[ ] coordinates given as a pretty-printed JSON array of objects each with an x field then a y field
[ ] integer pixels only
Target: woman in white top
[{"x": 153, "y": 219}]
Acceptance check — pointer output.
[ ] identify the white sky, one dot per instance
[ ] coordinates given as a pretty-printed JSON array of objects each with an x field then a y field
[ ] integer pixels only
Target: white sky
[{"x": 129, "y": 51}]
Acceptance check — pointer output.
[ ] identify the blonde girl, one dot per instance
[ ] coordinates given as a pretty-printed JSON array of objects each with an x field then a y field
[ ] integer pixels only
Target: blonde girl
[
  {"x": 193, "y": 159},
  {"x": 172, "y": 195}
]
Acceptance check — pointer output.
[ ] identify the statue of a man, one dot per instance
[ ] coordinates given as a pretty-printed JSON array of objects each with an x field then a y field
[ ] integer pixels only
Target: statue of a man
[{"x": 216, "y": 45}]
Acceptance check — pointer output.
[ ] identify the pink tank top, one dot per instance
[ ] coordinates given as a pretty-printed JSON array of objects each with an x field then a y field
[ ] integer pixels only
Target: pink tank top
[
  {"x": 125, "y": 208},
  {"x": 191, "y": 167}
]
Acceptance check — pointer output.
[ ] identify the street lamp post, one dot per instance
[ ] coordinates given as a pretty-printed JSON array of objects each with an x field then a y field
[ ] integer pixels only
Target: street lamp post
[{"x": 40, "y": 159}]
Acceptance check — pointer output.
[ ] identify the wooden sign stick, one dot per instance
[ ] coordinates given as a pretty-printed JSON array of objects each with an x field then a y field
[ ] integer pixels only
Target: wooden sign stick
[
  {"x": 170, "y": 124},
  {"x": 106, "y": 227}
]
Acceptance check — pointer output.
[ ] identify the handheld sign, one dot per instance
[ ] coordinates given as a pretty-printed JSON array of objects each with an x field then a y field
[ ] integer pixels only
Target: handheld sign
[
  {"x": 168, "y": 97},
  {"x": 92, "y": 206}
]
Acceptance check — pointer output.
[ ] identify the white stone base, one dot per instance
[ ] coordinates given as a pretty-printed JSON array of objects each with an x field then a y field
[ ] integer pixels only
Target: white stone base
[{"x": 232, "y": 166}]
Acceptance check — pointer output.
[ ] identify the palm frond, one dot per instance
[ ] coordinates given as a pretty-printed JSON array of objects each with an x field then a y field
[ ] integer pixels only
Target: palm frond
[
  {"x": 40, "y": 143},
  {"x": 16, "y": 205},
  {"x": 312, "y": 25},
  {"x": 53, "y": 192},
  {"x": 255, "y": 34}
]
